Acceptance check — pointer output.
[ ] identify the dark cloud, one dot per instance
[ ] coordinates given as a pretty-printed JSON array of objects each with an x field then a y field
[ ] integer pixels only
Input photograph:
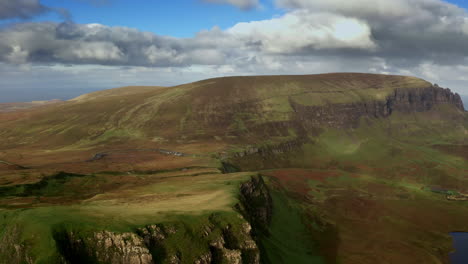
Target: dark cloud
[
  {"x": 404, "y": 31},
  {"x": 23, "y": 9},
  {"x": 70, "y": 43},
  {"x": 26, "y": 9}
]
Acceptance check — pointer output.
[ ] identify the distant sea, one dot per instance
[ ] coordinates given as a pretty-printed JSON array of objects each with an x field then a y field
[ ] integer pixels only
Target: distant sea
[
  {"x": 465, "y": 101},
  {"x": 28, "y": 95}
]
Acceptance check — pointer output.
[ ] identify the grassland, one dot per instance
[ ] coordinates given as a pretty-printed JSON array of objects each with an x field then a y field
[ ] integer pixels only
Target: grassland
[
  {"x": 341, "y": 194},
  {"x": 289, "y": 241},
  {"x": 197, "y": 111},
  {"x": 114, "y": 202}
]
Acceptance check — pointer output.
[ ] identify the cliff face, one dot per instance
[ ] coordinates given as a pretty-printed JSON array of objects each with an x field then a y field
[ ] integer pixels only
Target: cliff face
[
  {"x": 271, "y": 149},
  {"x": 103, "y": 247},
  {"x": 311, "y": 120},
  {"x": 11, "y": 247},
  {"x": 402, "y": 100},
  {"x": 420, "y": 100},
  {"x": 256, "y": 203},
  {"x": 216, "y": 242}
]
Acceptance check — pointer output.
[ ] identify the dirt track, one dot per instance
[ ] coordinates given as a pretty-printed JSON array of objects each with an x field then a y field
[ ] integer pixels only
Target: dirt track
[
  {"x": 6, "y": 162},
  {"x": 101, "y": 155}
]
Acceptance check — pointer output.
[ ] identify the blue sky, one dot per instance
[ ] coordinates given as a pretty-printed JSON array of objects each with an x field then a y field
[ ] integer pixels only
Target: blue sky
[
  {"x": 44, "y": 54},
  {"x": 179, "y": 18}
]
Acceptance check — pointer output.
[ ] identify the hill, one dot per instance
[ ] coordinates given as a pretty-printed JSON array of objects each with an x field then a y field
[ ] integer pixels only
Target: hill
[
  {"x": 329, "y": 168},
  {"x": 227, "y": 108}
]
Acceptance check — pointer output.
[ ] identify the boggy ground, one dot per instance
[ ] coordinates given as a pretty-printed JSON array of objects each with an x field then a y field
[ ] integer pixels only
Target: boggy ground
[{"x": 374, "y": 220}]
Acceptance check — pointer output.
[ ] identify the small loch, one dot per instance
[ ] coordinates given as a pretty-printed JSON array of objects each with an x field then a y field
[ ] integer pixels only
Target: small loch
[{"x": 460, "y": 243}]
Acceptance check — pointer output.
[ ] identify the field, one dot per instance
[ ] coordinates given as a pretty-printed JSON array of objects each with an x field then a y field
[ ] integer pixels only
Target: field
[{"x": 113, "y": 201}]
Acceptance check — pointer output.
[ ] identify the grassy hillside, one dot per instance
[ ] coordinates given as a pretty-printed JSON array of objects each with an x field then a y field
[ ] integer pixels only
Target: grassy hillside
[
  {"x": 349, "y": 160},
  {"x": 221, "y": 107},
  {"x": 115, "y": 202}
]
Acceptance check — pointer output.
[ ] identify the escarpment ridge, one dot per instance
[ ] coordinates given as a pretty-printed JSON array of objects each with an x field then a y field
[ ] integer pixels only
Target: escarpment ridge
[{"x": 242, "y": 107}]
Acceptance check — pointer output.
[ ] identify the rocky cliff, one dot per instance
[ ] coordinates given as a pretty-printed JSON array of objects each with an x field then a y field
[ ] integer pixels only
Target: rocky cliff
[
  {"x": 206, "y": 239},
  {"x": 256, "y": 203},
  {"x": 103, "y": 247},
  {"x": 401, "y": 100},
  {"x": 12, "y": 248},
  {"x": 216, "y": 242}
]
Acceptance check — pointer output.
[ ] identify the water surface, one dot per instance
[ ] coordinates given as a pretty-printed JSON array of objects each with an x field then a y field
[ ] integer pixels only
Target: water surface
[{"x": 460, "y": 243}]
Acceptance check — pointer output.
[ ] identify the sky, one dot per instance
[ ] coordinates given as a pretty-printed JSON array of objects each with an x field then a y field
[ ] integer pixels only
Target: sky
[{"x": 63, "y": 48}]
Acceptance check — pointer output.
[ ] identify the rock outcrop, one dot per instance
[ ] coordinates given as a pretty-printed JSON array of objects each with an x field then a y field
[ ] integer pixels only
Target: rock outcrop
[
  {"x": 216, "y": 242},
  {"x": 103, "y": 247},
  {"x": 256, "y": 203},
  {"x": 309, "y": 120},
  {"x": 349, "y": 115},
  {"x": 229, "y": 249},
  {"x": 271, "y": 149},
  {"x": 12, "y": 248}
]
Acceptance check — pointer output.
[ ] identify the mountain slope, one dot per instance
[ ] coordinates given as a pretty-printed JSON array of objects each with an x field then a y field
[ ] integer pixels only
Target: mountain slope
[
  {"x": 331, "y": 168},
  {"x": 245, "y": 107}
]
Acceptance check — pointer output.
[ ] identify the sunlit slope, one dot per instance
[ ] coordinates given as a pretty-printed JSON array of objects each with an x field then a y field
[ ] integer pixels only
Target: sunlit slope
[
  {"x": 350, "y": 162},
  {"x": 40, "y": 223},
  {"x": 117, "y": 92},
  {"x": 224, "y": 107}
]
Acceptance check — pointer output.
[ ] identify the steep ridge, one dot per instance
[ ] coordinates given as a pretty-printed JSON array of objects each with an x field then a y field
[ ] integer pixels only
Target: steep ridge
[{"x": 402, "y": 100}]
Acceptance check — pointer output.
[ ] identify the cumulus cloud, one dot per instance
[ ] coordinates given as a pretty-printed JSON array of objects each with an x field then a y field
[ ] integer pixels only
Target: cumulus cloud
[
  {"x": 412, "y": 37},
  {"x": 70, "y": 43},
  {"x": 301, "y": 30},
  {"x": 407, "y": 9},
  {"x": 242, "y": 4},
  {"x": 404, "y": 30},
  {"x": 404, "y": 33}
]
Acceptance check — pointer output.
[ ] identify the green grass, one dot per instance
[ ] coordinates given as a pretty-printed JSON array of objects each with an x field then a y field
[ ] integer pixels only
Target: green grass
[
  {"x": 192, "y": 110},
  {"x": 381, "y": 159},
  {"x": 289, "y": 240},
  {"x": 189, "y": 201}
]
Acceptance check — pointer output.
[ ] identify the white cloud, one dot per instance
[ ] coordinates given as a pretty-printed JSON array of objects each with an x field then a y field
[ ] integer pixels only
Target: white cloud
[
  {"x": 301, "y": 30},
  {"x": 376, "y": 8},
  {"x": 99, "y": 51},
  {"x": 427, "y": 38}
]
